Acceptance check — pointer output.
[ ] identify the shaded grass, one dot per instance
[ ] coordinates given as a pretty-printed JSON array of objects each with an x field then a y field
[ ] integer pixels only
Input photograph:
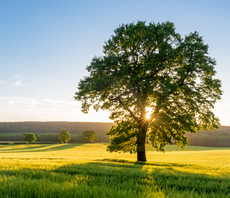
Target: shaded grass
[
  {"x": 37, "y": 148},
  {"x": 190, "y": 148},
  {"x": 194, "y": 148}
]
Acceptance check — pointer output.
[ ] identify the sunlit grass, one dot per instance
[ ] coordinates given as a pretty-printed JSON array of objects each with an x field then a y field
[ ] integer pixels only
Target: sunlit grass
[{"x": 87, "y": 170}]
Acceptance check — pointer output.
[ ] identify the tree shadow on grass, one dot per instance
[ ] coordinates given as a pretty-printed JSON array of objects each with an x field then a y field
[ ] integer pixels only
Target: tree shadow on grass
[
  {"x": 169, "y": 165},
  {"x": 14, "y": 147},
  {"x": 40, "y": 148},
  {"x": 138, "y": 177},
  {"x": 119, "y": 178}
]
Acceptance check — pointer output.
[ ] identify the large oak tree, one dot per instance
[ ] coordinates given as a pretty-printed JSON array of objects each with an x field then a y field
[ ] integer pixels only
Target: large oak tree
[{"x": 152, "y": 68}]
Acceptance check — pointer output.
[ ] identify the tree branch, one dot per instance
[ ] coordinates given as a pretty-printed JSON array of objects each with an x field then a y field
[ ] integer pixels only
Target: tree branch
[{"x": 129, "y": 110}]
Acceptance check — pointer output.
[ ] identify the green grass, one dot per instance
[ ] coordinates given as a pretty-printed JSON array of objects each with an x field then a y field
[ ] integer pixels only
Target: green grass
[{"x": 87, "y": 170}]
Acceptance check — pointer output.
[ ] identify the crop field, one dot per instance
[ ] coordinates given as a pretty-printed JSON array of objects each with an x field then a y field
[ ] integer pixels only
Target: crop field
[{"x": 87, "y": 170}]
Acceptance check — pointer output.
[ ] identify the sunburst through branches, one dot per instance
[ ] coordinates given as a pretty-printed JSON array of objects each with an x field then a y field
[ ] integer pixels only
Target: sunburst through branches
[{"x": 148, "y": 112}]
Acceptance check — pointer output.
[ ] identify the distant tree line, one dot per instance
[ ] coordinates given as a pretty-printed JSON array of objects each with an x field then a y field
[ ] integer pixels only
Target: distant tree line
[
  {"x": 217, "y": 138},
  {"x": 53, "y": 138},
  {"x": 195, "y": 139},
  {"x": 210, "y": 139},
  {"x": 53, "y": 127}
]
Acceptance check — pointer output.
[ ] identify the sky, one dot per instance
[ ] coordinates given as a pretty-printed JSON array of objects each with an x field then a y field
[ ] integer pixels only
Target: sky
[{"x": 45, "y": 46}]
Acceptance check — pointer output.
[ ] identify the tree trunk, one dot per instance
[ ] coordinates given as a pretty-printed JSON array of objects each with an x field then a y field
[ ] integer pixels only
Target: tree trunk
[{"x": 141, "y": 156}]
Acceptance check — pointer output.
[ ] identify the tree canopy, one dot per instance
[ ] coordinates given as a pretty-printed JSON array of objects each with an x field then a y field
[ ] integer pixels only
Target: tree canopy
[
  {"x": 89, "y": 136},
  {"x": 152, "y": 68},
  {"x": 64, "y": 136},
  {"x": 30, "y": 137}
]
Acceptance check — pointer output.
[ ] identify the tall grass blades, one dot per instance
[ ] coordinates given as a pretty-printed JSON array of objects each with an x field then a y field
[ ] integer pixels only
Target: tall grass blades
[{"x": 87, "y": 170}]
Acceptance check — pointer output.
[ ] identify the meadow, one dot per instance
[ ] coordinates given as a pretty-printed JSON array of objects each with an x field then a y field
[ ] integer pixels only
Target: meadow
[{"x": 87, "y": 170}]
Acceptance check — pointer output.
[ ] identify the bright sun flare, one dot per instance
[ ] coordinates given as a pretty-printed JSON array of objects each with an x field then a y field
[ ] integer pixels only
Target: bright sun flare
[{"x": 148, "y": 112}]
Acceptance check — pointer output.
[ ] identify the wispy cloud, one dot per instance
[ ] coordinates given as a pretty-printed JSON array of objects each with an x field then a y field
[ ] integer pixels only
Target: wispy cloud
[
  {"x": 2, "y": 82},
  {"x": 18, "y": 76},
  {"x": 31, "y": 109},
  {"x": 31, "y": 102},
  {"x": 61, "y": 103},
  {"x": 18, "y": 83}
]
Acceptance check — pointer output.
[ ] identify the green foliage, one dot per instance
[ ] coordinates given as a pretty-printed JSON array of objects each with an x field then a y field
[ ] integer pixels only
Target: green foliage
[
  {"x": 89, "y": 136},
  {"x": 50, "y": 137},
  {"x": 152, "y": 66},
  {"x": 64, "y": 136},
  {"x": 24, "y": 134},
  {"x": 77, "y": 138},
  {"x": 30, "y": 137}
]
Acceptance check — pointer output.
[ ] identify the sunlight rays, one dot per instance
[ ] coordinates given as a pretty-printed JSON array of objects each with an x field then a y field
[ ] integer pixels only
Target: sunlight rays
[{"x": 148, "y": 112}]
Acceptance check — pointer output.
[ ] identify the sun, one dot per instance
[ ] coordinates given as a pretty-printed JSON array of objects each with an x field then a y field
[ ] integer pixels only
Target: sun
[{"x": 148, "y": 112}]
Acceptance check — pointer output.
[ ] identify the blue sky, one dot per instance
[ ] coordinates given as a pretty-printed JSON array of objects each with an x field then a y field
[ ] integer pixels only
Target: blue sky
[{"x": 46, "y": 45}]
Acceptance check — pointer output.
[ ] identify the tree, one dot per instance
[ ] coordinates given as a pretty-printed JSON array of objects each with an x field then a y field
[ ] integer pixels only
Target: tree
[
  {"x": 30, "y": 137},
  {"x": 64, "y": 136},
  {"x": 24, "y": 134},
  {"x": 152, "y": 69},
  {"x": 89, "y": 136}
]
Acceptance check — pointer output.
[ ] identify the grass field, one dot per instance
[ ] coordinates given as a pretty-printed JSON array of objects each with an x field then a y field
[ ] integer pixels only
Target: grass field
[{"x": 87, "y": 170}]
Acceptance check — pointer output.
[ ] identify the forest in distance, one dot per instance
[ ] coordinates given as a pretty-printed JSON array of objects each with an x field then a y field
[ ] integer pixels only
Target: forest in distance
[
  {"x": 54, "y": 127},
  {"x": 47, "y": 132}
]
